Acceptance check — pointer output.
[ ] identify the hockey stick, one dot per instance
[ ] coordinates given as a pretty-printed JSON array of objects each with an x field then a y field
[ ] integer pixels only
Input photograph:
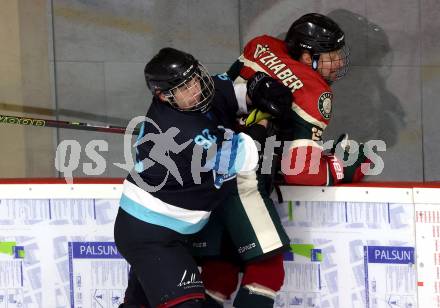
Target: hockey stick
[
  {"x": 9, "y": 119},
  {"x": 47, "y": 112}
]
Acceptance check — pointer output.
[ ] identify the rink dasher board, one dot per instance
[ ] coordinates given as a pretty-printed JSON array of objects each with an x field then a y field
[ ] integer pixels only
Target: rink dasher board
[
  {"x": 427, "y": 225},
  {"x": 301, "y": 193},
  {"x": 347, "y": 194},
  {"x": 60, "y": 191},
  {"x": 358, "y": 262},
  {"x": 423, "y": 198}
]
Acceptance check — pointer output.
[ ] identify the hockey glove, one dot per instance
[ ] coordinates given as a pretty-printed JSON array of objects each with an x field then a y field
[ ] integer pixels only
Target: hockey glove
[
  {"x": 353, "y": 172},
  {"x": 269, "y": 95},
  {"x": 335, "y": 169},
  {"x": 352, "y": 160},
  {"x": 256, "y": 116}
]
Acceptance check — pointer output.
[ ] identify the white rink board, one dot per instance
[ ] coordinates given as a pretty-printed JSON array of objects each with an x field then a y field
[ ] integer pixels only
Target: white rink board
[
  {"x": 67, "y": 239},
  {"x": 351, "y": 247},
  {"x": 427, "y": 216}
]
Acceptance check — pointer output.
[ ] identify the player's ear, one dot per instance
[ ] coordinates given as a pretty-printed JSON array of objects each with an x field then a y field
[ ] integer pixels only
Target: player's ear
[
  {"x": 162, "y": 97},
  {"x": 305, "y": 58}
]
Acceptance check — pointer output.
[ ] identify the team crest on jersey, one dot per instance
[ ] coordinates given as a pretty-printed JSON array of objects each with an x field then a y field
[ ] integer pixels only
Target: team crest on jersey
[{"x": 325, "y": 104}]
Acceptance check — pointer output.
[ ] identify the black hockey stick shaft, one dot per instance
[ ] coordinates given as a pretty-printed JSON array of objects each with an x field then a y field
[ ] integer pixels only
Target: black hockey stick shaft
[{"x": 26, "y": 121}]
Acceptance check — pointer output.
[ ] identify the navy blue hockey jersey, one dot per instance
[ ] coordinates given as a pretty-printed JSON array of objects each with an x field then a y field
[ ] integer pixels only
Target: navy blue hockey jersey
[{"x": 187, "y": 162}]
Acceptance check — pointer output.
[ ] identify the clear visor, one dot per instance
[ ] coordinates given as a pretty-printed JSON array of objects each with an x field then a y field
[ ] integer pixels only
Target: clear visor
[
  {"x": 334, "y": 65},
  {"x": 193, "y": 94}
]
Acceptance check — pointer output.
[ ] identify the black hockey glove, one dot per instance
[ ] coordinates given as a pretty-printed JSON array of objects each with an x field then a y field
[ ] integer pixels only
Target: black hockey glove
[
  {"x": 352, "y": 169},
  {"x": 269, "y": 95},
  {"x": 352, "y": 160}
]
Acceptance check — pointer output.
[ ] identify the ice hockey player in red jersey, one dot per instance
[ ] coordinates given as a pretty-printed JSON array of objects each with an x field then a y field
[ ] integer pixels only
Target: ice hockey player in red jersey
[
  {"x": 312, "y": 56},
  {"x": 307, "y": 61}
]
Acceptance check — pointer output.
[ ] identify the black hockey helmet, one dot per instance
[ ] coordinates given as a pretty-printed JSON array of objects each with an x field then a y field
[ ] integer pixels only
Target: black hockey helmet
[
  {"x": 172, "y": 70},
  {"x": 316, "y": 33}
]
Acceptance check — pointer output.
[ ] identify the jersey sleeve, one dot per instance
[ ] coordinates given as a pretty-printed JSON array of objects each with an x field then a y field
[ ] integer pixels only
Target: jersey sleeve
[
  {"x": 230, "y": 153},
  {"x": 306, "y": 164},
  {"x": 226, "y": 100},
  {"x": 243, "y": 68},
  {"x": 311, "y": 111},
  {"x": 303, "y": 160}
]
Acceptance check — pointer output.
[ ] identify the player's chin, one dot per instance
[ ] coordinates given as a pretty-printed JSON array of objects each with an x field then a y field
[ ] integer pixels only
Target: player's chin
[
  {"x": 333, "y": 76},
  {"x": 191, "y": 104},
  {"x": 196, "y": 101}
]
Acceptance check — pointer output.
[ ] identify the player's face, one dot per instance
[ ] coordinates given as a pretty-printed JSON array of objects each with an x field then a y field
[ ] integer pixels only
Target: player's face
[
  {"x": 330, "y": 63},
  {"x": 188, "y": 95}
]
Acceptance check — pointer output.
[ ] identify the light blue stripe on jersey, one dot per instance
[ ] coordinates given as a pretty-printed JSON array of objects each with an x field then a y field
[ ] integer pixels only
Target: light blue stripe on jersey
[
  {"x": 234, "y": 154},
  {"x": 141, "y": 212}
]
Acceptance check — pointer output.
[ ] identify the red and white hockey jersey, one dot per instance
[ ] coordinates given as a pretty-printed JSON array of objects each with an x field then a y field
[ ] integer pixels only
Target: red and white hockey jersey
[{"x": 304, "y": 163}]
